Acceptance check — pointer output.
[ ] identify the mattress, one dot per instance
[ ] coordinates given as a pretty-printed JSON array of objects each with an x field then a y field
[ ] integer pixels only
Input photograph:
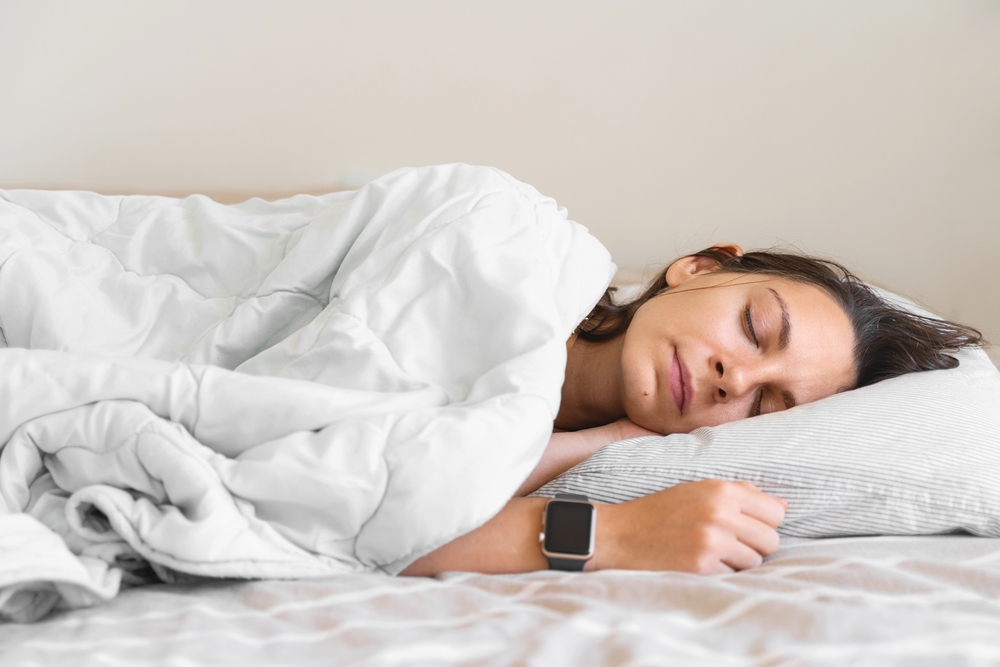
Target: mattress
[{"x": 841, "y": 601}]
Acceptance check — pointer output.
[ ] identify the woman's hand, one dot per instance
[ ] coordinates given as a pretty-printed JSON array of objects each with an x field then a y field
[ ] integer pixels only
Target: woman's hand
[{"x": 705, "y": 527}]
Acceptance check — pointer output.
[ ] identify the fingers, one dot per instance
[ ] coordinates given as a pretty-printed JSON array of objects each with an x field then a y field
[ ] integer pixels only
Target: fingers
[
  {"x": 762, "y": 538},
  {"x": 721, "y": 548},
  {"x": 761, "y": 506},
  {"x": 741, "y": 557},
  {"x": 762, "y": 514},
  {"x": 754, "y": 529}
]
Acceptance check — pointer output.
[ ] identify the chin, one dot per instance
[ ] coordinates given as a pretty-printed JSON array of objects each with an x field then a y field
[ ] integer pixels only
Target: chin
[
  {"x": 664, "y": 429},
  {"x": 650, "y": 420},
  {"x": 648, "y": 412}
]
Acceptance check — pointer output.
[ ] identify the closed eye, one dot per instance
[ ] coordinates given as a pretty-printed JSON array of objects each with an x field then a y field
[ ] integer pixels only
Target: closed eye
[
  {"x": 755, "y": 408},
  {"x": 749, "y": 325}
]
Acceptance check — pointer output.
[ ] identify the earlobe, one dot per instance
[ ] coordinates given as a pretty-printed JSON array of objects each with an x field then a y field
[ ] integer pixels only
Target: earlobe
[{"x": 688, "y": 267}]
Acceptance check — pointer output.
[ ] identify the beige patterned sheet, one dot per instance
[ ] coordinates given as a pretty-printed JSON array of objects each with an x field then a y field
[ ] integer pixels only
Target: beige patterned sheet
[{"x": 848, "y": 601}]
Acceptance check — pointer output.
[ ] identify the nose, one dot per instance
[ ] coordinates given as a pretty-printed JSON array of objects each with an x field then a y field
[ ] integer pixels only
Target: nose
[{"x": 733, "y": 380}]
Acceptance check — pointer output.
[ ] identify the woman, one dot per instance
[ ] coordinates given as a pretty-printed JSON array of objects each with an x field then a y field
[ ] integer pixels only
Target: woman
[
  {"x": 346, "y": 383},
  {"x": 718, "y": 336}
]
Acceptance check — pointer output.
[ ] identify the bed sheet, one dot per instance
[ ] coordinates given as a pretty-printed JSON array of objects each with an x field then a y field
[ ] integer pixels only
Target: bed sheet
[{"x": 857, "y": 601}]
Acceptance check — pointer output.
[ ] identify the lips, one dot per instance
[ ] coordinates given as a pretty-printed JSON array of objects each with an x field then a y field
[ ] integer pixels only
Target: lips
[{"x": 680, "y": 383}]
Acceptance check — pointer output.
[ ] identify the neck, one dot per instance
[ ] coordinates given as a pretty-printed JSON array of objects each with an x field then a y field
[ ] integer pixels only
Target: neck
[{"x": 592, "y": 389}]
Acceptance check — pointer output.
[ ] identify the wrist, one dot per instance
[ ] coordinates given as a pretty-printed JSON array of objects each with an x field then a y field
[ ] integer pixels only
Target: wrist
[
  {"x": 606, "y": 540},
  {"x": 614, "y": 432}
]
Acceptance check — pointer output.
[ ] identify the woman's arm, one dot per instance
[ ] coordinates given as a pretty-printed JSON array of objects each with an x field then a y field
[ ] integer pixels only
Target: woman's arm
[
  {"x": 705, "y": 527},
  {"x": 567, "y": 448}
]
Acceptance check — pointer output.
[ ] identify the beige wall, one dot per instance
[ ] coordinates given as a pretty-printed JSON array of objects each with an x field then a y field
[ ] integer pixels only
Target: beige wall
[{"x": 869, "y": 131}]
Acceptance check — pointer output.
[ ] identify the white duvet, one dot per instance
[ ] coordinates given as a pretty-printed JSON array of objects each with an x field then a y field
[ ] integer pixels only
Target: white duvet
[{"x": 293, "y": 389}]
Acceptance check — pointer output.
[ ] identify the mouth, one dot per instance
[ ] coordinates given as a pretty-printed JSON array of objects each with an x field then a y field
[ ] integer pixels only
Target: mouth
[{"x": 680, "y": 383}]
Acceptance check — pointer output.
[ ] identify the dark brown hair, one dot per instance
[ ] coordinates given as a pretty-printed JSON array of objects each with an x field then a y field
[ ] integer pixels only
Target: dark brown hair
[{"x": 889, "y": 341}]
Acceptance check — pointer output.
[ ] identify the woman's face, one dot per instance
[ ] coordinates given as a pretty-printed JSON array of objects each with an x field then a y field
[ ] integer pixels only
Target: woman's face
[{"x": 720, "y": 347}]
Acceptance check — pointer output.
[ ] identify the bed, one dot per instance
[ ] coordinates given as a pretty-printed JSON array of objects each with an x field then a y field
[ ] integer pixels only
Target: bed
[
  {"x": 841, "y": 601},
  {"x": 907, "y": 598}
]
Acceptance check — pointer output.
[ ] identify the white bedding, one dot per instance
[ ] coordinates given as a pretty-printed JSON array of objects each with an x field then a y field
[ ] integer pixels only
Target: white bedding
[
  {"x": 847, "y": 601},
  {"x": 321, "y": 385}
]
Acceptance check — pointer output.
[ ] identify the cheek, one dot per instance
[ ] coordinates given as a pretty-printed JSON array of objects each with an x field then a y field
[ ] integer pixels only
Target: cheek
[
  {"x": 637, "y": 397},
  {"x": 636, "y": 367},
  {"x": 640, "y": 399}
]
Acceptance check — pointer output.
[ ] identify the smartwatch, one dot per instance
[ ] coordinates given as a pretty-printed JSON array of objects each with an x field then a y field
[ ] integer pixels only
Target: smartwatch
[{"x": 568, "y": 528}]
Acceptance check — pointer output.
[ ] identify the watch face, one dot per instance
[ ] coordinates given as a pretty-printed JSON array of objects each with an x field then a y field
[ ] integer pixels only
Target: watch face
[{"x": 567, "y": 527}]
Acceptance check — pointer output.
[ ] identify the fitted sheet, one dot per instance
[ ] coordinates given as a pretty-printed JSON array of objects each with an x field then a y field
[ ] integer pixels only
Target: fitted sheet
[{"x": 840, "y": 601}]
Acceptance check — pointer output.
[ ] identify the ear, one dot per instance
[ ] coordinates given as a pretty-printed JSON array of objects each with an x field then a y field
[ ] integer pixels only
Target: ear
[{"x": 688, "y": 267}]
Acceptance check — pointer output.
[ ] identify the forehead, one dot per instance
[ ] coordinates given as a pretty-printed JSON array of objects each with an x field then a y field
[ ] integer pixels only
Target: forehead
[{"x": 806, "y": 301}]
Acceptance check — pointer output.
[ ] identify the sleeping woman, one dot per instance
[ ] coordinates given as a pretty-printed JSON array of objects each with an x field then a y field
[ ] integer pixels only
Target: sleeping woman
[
  {"x": 719, "y": 335},
  {"x": 338, "y": 360}
]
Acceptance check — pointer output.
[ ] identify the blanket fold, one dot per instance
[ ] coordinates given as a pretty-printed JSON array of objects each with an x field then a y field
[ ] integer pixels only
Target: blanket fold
[{"x": 290, "y": 389}]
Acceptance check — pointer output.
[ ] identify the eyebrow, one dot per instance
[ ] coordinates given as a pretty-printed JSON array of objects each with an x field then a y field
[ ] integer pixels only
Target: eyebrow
[{"x": 786, "y": 323}]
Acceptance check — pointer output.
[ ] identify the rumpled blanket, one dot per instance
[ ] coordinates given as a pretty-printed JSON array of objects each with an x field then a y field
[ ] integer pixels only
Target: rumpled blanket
[{"x": 313, "y": 386}]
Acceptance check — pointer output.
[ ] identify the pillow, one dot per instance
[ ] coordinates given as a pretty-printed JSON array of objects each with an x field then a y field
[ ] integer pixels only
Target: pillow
[{"x": 916, "y": 454}]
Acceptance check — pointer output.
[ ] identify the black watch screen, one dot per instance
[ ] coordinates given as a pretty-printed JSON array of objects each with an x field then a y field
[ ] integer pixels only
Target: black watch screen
[{"x": 567, "y": 527}]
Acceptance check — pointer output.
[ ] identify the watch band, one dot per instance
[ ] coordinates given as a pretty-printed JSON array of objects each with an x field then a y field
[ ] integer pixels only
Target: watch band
[{"x": 568, "y": 564}]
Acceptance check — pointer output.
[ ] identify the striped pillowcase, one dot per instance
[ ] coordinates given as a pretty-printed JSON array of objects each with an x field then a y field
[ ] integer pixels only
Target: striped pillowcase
[{"x": 917, "y": 454}]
